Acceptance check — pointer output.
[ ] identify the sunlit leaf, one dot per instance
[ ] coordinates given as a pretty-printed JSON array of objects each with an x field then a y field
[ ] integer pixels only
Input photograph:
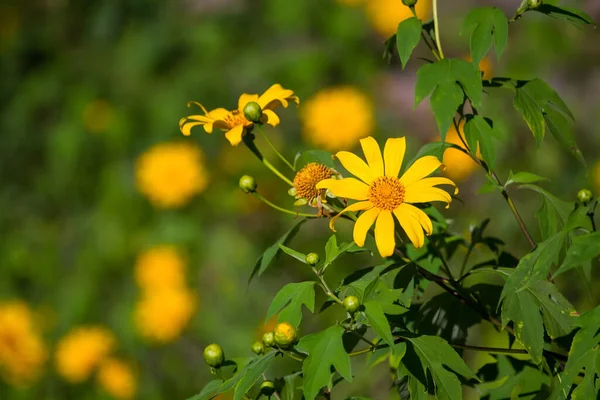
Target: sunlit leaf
[
  {"x": 289, "y": 300},
  {"x": 583, "y": 249}
]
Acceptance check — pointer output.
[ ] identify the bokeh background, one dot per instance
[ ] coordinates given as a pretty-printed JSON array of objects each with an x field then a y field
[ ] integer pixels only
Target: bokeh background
[{"x": 125, "y": 247}]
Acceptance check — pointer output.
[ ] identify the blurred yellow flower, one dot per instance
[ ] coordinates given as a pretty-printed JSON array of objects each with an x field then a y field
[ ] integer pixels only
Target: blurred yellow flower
[
  {"x": 22, "y": 352},
  {"x": 81, "y": 351},
  {"x": 161, "y": 315},
  {"x": 459, "y": 166},
  {"x": 160, "y": 267},
  {"x": 234, "y": 123},
  {"x": 97, "y": 116},
  {"x": 170, "y": 174},
  {"x": 117, "y": 379},
  {"x": 335, "y": 118},
  {"x": 385, "y": 15},
  {"x": 485, "y": 66}
]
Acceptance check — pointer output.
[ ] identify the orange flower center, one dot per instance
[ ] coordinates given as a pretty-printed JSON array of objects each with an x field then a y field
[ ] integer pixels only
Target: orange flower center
[
  {"x": 307, "y": 178},
  {"x": 236, "y": 118},
  {"x": 386, "y": 193}
]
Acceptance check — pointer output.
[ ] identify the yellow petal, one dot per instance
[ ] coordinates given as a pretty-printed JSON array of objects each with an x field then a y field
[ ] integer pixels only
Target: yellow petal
[
  {"x": 358, "y": 206},
  {"x": 186, "y": 127},
  {"x": 276, "y": 95},
  {"x": 234, "y": 135},
  {"x": 418, "y": 214},
  {"x": 384, "y": 233},
  {"x": 425, "y": 195},
  {"x": 393, "y": 155},
  {"x": 421, "y": 168},
  {"x": 269, "y": 117},
  {"x": 430, "y": 182},
  {"x": 356, "y": 166},
  {"x": 363, "y": 224},
  {"x": 348, "y": 187},
  {"x": 373, "y": 155},
  {"x": 245, "y": 99},
  {"x": 411, "y": 226}
]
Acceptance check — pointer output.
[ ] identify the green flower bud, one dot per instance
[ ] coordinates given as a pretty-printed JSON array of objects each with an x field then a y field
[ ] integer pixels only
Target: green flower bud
[
  {"x": 213, "y": 355},
  {"x": 292, "y": 192},
  {"x": 253, "y": 112},
  {"x": 267, "y": 388},
  {"x": 584, "y": 196},
  {"x": 300, "y": 202},
  {"x": 258, "y": 348},
  {"x": 285, "y": 335},
  {"x": 351, "y": 304},
  {"x": 312, "y": 259},
  {"x": 409, "y": 3},
  {"x": 268, "y": 339},
  {"x": 248, "y": 184},
  {"x": 532, "y": 4}
]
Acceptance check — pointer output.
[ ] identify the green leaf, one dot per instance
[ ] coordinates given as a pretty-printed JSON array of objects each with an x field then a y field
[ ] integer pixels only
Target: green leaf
[
  {"x": 319, "y": 156},
  {"x": 436, "y": 149},
  {"x": 554, "y": 212},
  {"x": 479, "y": 133},
  {"x": 210, "y": 390},
  {"x": 407, "y": 38},
  {"x": 251, "y": 373},
  {"x": 510, "y": 378},
  {"x": 573, "y": 16},
  {"x": 523, "y": 177},
  {"x": 289, "y": 300},
  {"x": 583, "y": 249},
  {"x": 379, "y": 322},
  {"x": 333, "y": 251},
  {"x": 481, "y": 24},
  {"x": 291, "y": 252},
  {"x": 289, "y": 390},
  {"x": 265, "y": 260},
  {"x": 325, "y": 349}
]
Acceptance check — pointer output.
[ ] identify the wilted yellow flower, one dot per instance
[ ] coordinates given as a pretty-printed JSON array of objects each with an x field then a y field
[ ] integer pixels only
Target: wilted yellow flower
[
  {"x": 117, "y": 379},
  {"x": 81, "y": 351},
  {"x": 160, "y": 267},
  {"x": 170, "y": 174},
  {"x": 305, "y": 183},
  {"x": 161, "y": 315},
  {"x": 22, "y": 352},
  {"x": 335, "y": 118},
  {"x": 234, "y": 123},
  {"x": 381, "y": 193},
  {"x": 385, "y": 15},
  {"x": 97, "y": 116}
]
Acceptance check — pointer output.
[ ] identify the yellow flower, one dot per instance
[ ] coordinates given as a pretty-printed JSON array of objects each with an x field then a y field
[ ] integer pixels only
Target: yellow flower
[
  {"x": 170, "y": 174},
  {"x": 485, "y": 66},
  {"x": 305, "y": 181},
  {"x": 459, "y": 165},
  {"x": 385, "y": 15},
  {"x": 234, "y": 123},
  {"x": 381, "y": 193},
  {"x": 161, "y": 315},
  {"x": 81, "y": 350},
  {"x": 337, "y": 117},
  {"x": 22, "y": 352},
  {"x": 160, "y": 267},
  {"x": 117, "y": 378}
]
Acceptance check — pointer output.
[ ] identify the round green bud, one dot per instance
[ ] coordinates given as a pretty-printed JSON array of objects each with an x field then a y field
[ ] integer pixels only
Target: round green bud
[
  {"x": 312, "y": 259},
  {"x": 213, "y": 355},
  {"x": 584, "y": 196},
  {"x": 532, "y": 4},
  {"x": 267, "y": 388},
  {"x": 292, "y": 192},
  {"x": 285, "y": 335},
  {"x": 409, "y": 3},
  {"x": 253, "y": 112},
  {"x": 351, "y": 304},
  {"x": 248, "y": 184},
  {"x": 268, "y": 339},
  {"x": 258, "y": 348}
]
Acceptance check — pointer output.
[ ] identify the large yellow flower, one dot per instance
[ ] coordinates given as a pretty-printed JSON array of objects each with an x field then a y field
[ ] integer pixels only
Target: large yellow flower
[
  {"x": 381, "y": 193},
  {"x": 234, "y": 122},
  {"x": 385, "y": 15},
  {"x": 170, "y": 174},
  {"x": 117, "y": 378},
  {"x": 335, "y": 118}
]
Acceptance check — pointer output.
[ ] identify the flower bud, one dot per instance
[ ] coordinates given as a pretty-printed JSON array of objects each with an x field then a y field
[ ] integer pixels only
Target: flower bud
[
  {"x": 300, "y": 202},
  {"x": 213, "y": 355},
  {"x": 292, "y": 192},
  {"x": 312, "y": 259},
  {"x": 584, "y": 196},
  {"x": 253, "y": 112},
  {"x": 267, "y": 388},
  {"x": 409, "y": 3},
  {"x": 351, "y": 304},
  {"x": 533, "y": 4},
  {"x": 268, "y": 339},
  {"x": 285, "y": 335},
  {"x": 248, "y": 184},
  {"x": 258, "y": 348}
]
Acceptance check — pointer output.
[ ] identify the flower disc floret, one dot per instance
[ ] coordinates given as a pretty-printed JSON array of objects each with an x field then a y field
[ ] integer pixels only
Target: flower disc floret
[
  {"x": 305, "y": 181},
  {"x": 387, "y": 193}
]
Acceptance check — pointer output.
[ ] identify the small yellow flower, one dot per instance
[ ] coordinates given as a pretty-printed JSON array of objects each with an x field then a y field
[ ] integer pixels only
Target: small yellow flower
[
  {"x": 305, "y": 182},
  {"x": 160, "y": 267},
  {"x": 381, "y": 193},
  {"x": 81, "y": 351},
  {"x": 459, "y": 166},
  {"x": 161, "y": 315},
  {"x": 170, "y": 174},
  {"x": 117, "y": 379},
  {"x": 22, "y": 352},
  {"x": 385, "y": 15},
  {"x": 335, "y": 118},
  {"x": 234, "y": 123}
]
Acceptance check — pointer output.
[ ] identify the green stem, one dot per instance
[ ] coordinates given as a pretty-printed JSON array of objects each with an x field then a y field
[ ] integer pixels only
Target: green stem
[
  {"x": 431, "y": 46},
  {"x": 359, "y": 352},
  {"x": 275, "y": 149},
  {"x": 436, "y": 28},
  {"x": 326, "y": 289},
  {"x": 444, "y": 263},
  {"x": 248, "y": 140},
  {"x": 361, "y": 337},
  {"x": 465, "y": 260},
  {"x": 493, "y": 350},
  {"x": 284, "y": 210},
  {"x": 590, "y": 215}
]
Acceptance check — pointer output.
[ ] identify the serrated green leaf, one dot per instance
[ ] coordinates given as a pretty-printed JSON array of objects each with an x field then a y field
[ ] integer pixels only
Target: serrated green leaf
[
  {"x": 251, "y": 373},
  {"x": 512, "y": 378},
  {"x": 319, "y": 156},
  {"x": 445, "y": 100},
  {"x": 524, "y": 177},
  {"x": 554, "y": 211},
  {"x": 575, "y": 17},
  {"x": 210, "y": 390},
  {"x": 289, "y": 300},
  {"x": 482, "y": 23},
  {"x": 291, "y": 252},
  {"x": 325, "y": 349},
  {"x": 407, "y": 38},
  {"x": 379, "y": 322},
  {"x": 582, "y": 249},
  {"x": 560, "y": 129},
  {"x": 479, "y": 135}
]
